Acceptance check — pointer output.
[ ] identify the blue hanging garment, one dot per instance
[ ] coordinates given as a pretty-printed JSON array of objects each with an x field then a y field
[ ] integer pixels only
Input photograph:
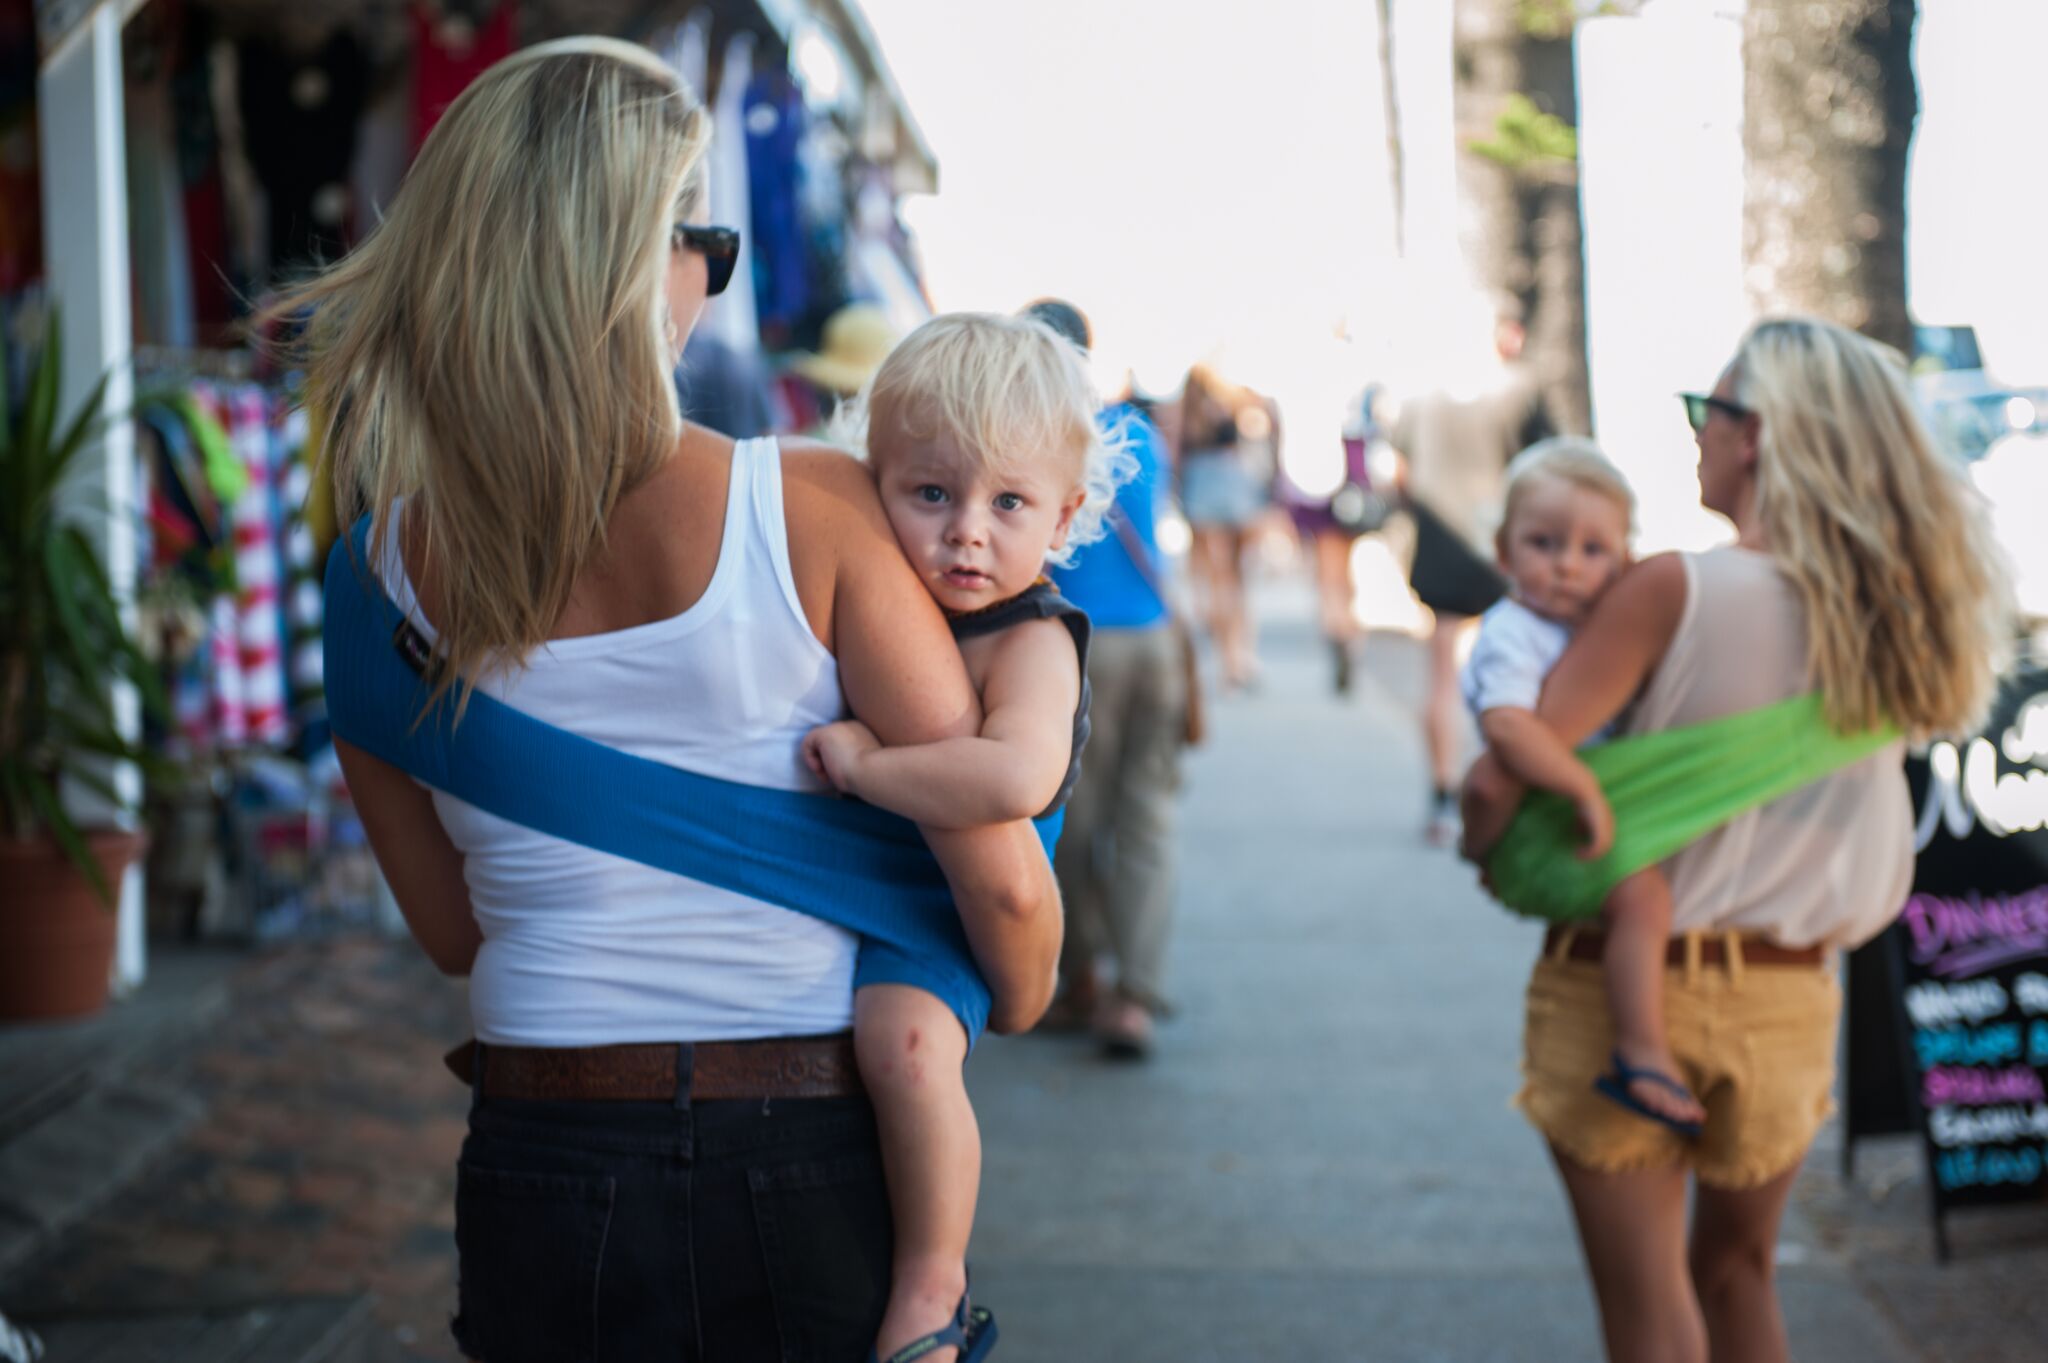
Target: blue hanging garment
[{"x": 847, "y": 863}]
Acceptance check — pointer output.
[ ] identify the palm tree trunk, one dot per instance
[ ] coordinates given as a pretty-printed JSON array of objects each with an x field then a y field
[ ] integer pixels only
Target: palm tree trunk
[
  {"x": 1487, "y": 71},
  {"x": 1524, "y": 235},
  {"x": 1829, "y": 104},
  {"x": 1391, "y": 104}
]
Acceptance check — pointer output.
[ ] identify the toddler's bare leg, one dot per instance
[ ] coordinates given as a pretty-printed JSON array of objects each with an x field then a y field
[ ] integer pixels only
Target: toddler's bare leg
[
  {"x": 1638, "y": 916},
  {"x": 911, "y": 1053}
]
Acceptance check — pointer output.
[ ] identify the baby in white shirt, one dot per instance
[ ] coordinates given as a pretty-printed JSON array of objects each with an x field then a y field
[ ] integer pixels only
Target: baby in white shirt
[{"x": 1563, "y": 540}]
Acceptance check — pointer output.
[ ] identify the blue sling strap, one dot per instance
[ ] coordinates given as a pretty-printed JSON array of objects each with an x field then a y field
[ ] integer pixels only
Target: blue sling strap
[{"x": 846, "y": 863}]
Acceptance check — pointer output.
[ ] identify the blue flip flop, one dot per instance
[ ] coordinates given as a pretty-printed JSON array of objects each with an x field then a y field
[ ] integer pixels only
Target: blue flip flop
[
  {"x": 1614, "y": 1086},
  {"x": 972, "y": 1330}
]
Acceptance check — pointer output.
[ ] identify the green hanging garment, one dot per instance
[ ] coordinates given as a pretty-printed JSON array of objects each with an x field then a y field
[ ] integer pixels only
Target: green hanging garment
[{"x": 1667, "y": 789}]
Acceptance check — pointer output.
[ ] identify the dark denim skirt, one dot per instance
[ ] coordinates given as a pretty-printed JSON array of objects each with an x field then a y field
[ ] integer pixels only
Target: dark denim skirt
[{"x": 730, "y": 1232}]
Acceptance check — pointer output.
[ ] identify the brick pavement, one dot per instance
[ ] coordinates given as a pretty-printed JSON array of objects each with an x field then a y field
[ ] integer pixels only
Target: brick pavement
[
  {"x": 1985, "y": 1306},
  {"x": 325, "y": 1162}
]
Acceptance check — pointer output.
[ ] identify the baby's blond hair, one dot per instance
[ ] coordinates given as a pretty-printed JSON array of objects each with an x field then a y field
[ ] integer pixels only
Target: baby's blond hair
[
  {"x": 1569, "y": 459},
  {"x": 1010, "y": 391}
]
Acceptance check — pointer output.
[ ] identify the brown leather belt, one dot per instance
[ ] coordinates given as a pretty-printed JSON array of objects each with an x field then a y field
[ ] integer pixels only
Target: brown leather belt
[
  {"x": 777, "y": 1067},
  {"x": 1591, "y": 946}
]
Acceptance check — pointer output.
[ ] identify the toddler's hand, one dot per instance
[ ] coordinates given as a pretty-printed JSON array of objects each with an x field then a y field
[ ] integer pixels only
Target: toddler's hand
[
  {"x": 832, "y": 750},
  {"x": 1596, "y": 821}
]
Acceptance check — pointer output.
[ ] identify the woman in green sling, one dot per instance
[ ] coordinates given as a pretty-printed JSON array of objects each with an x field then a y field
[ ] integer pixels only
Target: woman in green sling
[{"x": 1861, "y": 573}]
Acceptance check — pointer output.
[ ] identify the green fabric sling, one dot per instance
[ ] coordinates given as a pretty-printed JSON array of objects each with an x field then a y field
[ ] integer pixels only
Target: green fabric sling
[{"x": 1667, "y": 789}]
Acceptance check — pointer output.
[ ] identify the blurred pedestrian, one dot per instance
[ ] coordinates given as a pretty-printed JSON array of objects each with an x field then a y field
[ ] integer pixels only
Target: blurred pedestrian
[
  {"x": 1116, "y": 855},
  {"x": 1455, "y": 443},
  {"x": 723, "y": 388},
  {"x": 1862, "y": 567},
  {"x": 852, "y": 345},
  {"x": 562, "y": 539},
  {"x": 1221, "y": 494},
  {"x": 1332, "y": 526}
]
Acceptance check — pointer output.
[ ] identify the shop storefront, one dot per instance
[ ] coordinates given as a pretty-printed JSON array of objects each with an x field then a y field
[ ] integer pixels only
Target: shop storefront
[{"x": 165, "y": 162}]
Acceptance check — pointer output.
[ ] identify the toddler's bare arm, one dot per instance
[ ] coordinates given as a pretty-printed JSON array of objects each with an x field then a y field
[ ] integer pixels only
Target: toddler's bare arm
[{"x": 1532, "y": 751}]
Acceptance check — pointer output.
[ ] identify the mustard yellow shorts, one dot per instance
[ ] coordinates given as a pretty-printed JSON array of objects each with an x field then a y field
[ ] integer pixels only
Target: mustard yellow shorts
[{"x": 1755, "y": 1042}]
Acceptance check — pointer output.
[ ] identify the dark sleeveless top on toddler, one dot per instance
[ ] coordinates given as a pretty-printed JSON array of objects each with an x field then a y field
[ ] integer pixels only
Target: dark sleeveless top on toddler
[{"x": 1040, "y": 601}]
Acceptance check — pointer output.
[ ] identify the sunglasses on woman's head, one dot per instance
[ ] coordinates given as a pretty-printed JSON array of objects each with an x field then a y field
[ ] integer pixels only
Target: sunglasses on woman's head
[
  {"x": 1699, "y": 406},
  {"x": 720, "y": 247}
]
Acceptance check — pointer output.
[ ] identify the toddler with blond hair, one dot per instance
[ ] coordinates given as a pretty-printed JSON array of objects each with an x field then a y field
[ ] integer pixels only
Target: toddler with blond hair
[
  {"x": 981, "y": 431},
  {"x": 1563, "y": 540}
]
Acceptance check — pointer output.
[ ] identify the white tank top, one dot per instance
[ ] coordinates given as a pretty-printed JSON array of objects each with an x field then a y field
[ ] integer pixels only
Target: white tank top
[
  {"x": 582, "y": 948},
  {"x": 1829, "y": 864}
]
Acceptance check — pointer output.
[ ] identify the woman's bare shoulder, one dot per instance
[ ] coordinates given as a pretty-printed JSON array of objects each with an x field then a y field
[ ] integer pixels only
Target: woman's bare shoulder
[
  {"x": 1663, "y": 569},
  {"x": 827, "y": 486},
  {"x": 1649, "y": 599}
]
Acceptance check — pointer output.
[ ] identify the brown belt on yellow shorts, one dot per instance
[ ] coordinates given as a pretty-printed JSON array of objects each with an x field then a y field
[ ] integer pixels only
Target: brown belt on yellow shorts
[
  {"x": 1591, "y": 946},
  {"x": 777, "y": 1067}
]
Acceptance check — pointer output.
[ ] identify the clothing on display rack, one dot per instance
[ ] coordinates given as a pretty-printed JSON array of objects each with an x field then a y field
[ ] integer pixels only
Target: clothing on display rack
[
  {"x": 299, "y": 119},
  {"x": 734, "y": 318},
  {"x": 226, "y": 483},
  {"x": 687, "y": 50},
  {"x": 21, "y": 199},
  {"x": 452, "y": 46},
  {"x": 775, "y": 122},
  {"x": 268, "y": 846},
  {"x": 195, "y": 132}
]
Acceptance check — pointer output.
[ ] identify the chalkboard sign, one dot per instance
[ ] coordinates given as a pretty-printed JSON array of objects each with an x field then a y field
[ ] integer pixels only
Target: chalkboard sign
[{"x": 1965, "y": 969}]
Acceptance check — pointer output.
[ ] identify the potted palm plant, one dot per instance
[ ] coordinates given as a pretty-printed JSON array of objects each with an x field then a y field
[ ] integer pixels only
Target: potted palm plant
[{"x": 64, "y": 645}]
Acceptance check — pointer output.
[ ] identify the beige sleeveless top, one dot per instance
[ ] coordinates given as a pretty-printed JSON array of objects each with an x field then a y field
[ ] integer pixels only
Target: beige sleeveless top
[{"x": 1829, "y": 864}]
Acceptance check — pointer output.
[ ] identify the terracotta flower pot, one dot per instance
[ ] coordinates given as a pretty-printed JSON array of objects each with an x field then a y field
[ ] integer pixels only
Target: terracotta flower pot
[{"x": 56, "y": 938}]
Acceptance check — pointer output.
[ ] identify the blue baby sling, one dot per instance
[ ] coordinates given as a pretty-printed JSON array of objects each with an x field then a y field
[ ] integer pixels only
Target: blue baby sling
[{"x": 846, "y": 863}]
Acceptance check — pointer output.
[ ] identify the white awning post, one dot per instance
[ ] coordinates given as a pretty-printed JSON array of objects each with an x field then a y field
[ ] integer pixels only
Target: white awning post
[{"x": 85, "y": 243}]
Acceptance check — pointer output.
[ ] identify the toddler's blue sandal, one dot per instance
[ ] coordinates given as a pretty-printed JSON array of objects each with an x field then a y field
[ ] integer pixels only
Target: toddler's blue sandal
[
  {"x": 1614, "y": 1086},
  {"x": 972, "y": 1330}
]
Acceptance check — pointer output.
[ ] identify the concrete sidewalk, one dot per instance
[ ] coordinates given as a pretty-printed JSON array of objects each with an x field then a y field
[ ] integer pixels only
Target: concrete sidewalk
[{"x": 1321, "y": 1157}]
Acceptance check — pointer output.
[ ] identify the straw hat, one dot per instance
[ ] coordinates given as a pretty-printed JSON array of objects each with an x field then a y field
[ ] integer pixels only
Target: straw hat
[{"x": 857, "y": 339}]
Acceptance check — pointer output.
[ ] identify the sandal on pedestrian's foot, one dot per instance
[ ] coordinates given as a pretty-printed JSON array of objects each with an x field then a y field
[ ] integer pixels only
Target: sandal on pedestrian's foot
[
  {"x": 1123, "y": 1027},
  {"x": 972, "y": 1330},
  {"x": 1615, "y": 1084}
]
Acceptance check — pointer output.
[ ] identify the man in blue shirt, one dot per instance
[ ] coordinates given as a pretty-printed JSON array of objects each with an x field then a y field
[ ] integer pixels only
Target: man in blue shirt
[{"x": 1116, "y": 857}]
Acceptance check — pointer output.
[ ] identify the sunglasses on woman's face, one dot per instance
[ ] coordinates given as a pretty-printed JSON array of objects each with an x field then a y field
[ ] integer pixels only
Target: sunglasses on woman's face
[
  {"x": 720, "y": 247},
  {"x": 1700, "y": 406}
]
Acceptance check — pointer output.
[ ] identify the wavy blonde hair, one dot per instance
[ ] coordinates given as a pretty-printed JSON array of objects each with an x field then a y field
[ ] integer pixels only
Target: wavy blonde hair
[
  {"x": 1011, "y": 391},
  {"x": 495, "y": 351},
  {"x": 1908, "y": 605}
]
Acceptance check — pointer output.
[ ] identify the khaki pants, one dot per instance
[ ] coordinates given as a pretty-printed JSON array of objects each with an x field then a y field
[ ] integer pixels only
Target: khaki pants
[{"x": 1116, "y": 856}]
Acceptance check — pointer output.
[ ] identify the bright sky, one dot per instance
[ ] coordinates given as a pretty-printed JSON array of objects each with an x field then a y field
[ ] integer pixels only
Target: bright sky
[
  {"x": 1183, "y": 172},
  {"x": 1195, "y": 173},
  {"x": 1977, "y": 199}
]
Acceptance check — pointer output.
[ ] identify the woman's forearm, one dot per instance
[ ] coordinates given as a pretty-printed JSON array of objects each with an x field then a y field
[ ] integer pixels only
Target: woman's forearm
[
  {"x": 1533, "y": 753},
  {"x": 419, "y": 862}
]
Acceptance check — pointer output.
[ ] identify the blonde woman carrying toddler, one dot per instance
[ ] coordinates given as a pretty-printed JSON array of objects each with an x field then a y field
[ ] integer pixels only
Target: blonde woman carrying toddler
[
  {"x": 981, "y": 433},
  {"x": 1564, "y": 538}
]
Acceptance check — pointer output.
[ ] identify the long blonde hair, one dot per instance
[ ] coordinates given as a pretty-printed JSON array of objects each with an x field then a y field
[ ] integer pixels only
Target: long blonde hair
[
  {"x": 1011, "y": 391},
  {"x": 498, "y": 350},
  {"x": 1908, "y": 605}
]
